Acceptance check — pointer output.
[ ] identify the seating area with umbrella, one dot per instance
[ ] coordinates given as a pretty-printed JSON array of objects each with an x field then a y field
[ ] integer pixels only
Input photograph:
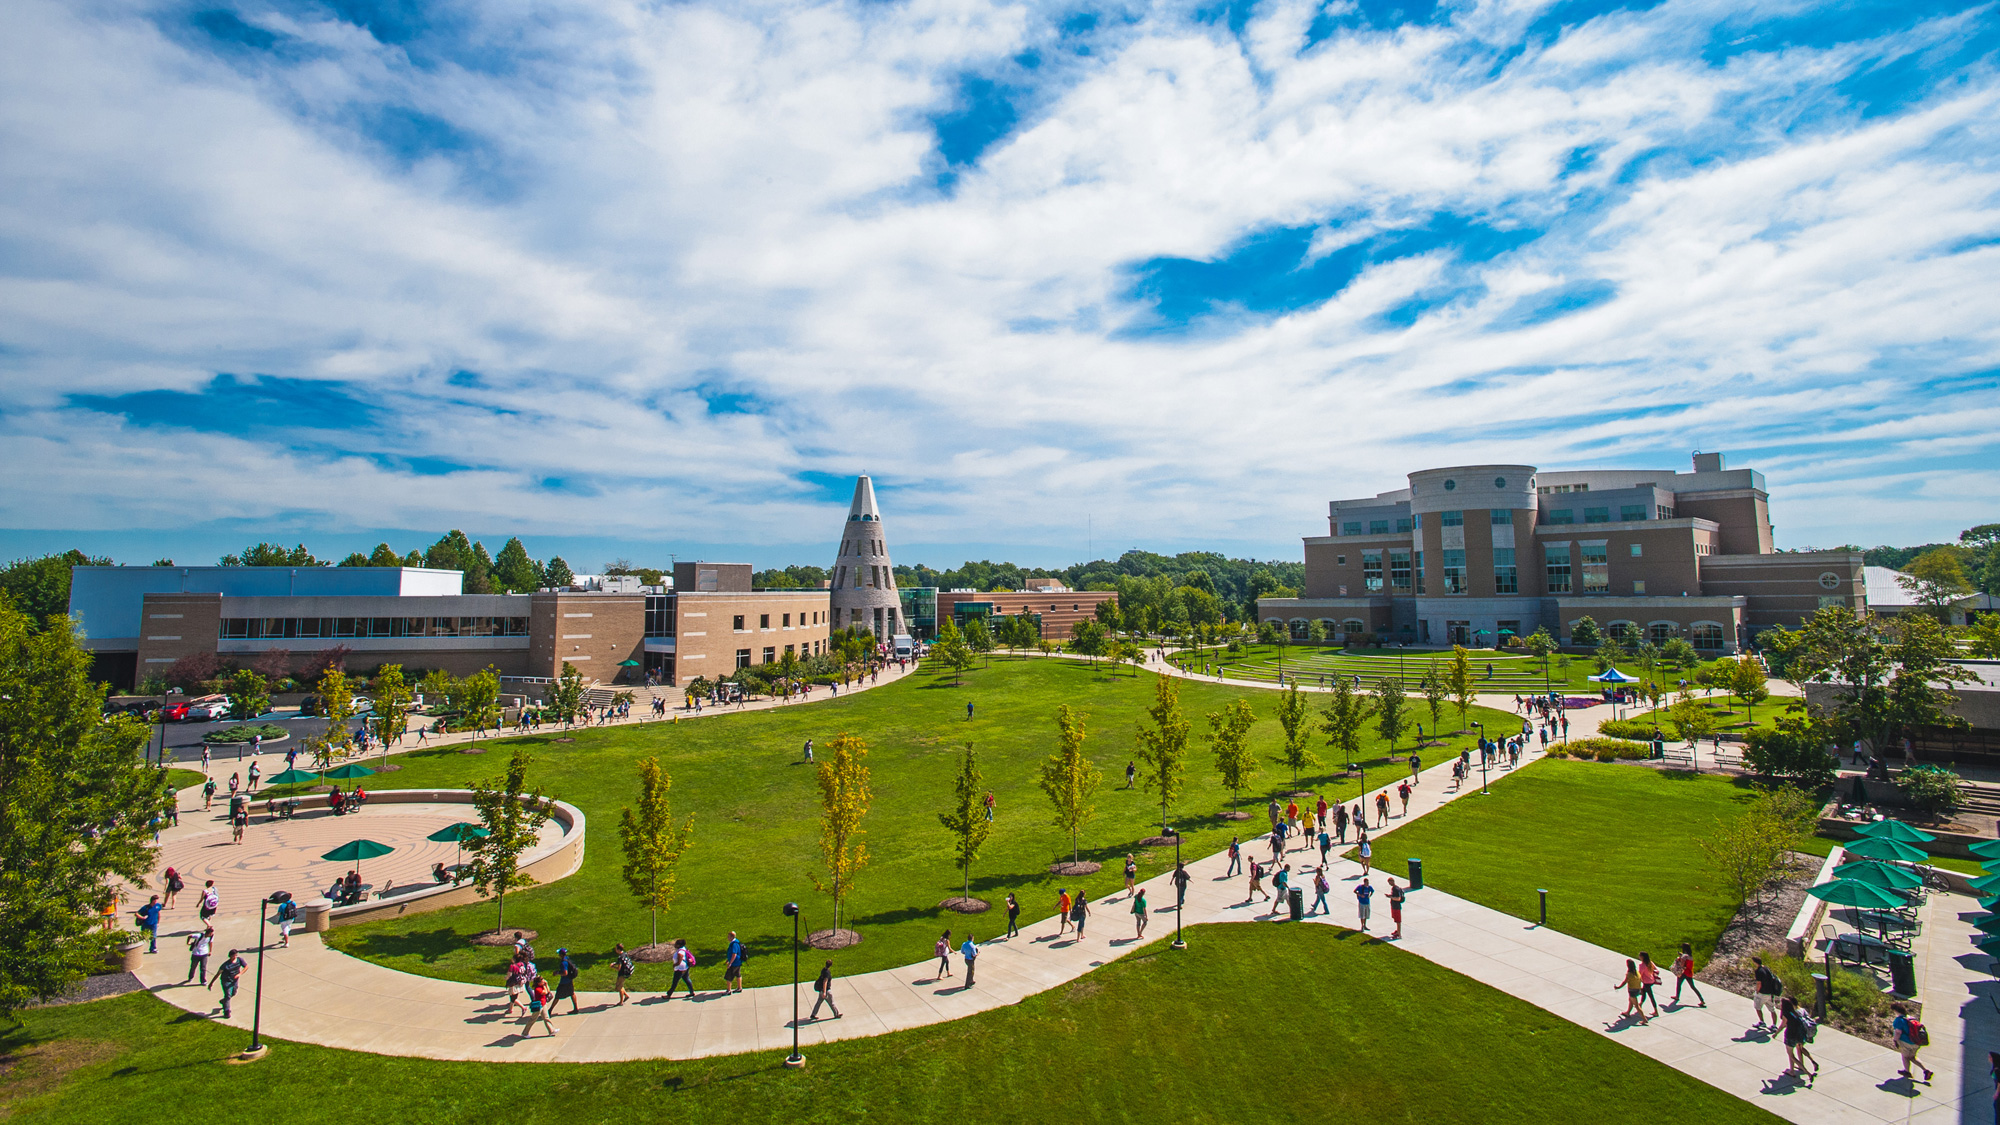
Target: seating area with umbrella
[
  {"x": 354, "y": 852},
  {"x": 1883, "y": 886},
  {"x": 458, "y": 834}
]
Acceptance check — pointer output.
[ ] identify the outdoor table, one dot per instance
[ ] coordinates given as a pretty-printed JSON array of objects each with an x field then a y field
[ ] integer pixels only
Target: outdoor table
[{"x": 1867, "y": 947}]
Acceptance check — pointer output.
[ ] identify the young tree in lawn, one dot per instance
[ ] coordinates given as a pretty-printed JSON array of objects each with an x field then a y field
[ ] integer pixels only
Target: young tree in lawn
[
  {"x": 513, "y": 817},
  {"x": 1458, "y": 678},
  {"x": 392, "y": 702},
  {"x": 565, "y": 700},
  {"x": 951, "y": 650},
  {"x": 1345, "y": 713},
  {"x": 1542, "y": 647},
  {"x": 1390, "y": 710},
  {"x": 1229, "y": 738},
  {"x": 249, "y": 695},
  {"x": 653, "y": 842},
  {"x": 1744, "y": 679},
  {"x": 979, "y": 638},
  {"x": 1297, "y": 753},
  {"x": 1069, "y": 779},
  {"x": 63, "y": 766},
  {"x": 1679, "y": 653},
  {"x": 1163, "y": 745},
  {"x": 1087, "y": 638},
  {"x": 336, "y": 702},
  {"x": 843, "y": 801},
  {"x": 478, "y": 699},
  {"x": 966, "y": 821},
  {"x": 1436, "y": 694},
  {"x": 1585, "y": 633}
]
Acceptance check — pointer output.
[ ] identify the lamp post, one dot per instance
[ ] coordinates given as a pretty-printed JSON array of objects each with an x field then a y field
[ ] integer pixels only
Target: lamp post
[
  {"x": 1180, "y": 897},
  {"x": 794, "y": 1059},
  {"x": 1484, "y": 758},
  {"x": 257, "y": 1049}
]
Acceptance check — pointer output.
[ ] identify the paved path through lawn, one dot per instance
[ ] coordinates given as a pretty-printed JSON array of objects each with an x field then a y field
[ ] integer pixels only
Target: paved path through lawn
[{"x": 315, "y": 995}]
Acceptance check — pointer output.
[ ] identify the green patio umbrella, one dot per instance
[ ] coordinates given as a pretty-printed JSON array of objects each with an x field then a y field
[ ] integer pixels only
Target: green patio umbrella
[
  {"x": 1986, "y": 884},
  {"x": 292, "y": 777},
  {"x": 1990, "y": 946},
  {"x": 349, "y": 771},
  {"x": 1880, "y": 875},
  {"x": 1985, "y": 849},
  {"x": 1878, "y": 848},
  {"x": 628, "y": 664},
  {"x": 1850, "y": 892},
  {"x": 354, "y": 851},
  {"x": 1988, "y": 925},
  {"x": 1895, "y": 830},
  {"x": 458, "y": 834}
]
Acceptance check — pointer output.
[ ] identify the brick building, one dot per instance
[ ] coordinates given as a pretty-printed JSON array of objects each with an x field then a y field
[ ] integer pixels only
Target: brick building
[
  {"x": 1475, "y": 554},
  {"x": 1052, "y": 605}
]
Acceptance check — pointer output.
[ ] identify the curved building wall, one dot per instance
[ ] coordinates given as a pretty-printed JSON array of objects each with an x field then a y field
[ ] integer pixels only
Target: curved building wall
[{"x": 863, "y": 577}]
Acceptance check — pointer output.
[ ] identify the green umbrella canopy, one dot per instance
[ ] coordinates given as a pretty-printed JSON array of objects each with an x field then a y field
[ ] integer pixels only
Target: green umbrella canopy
[
  {"x": 1991, "y": 946},
  {"x": 355, "y": 851},
  {"x": 1986, "y": 884},
  {"x": 1877, "y": 848},
  {"x": 1879, "y": 875},
  {"x": 455, "y": 833},
  {"x": 1895, "y": 830},
  {"x": 1985, "y": 849},
  {"x": 292, "y": 777},
  {"x": 350, "y": 770},
  {"x": 1847, "y": 892},
  {"x": 628, "y": 664},
  {"x": 1989, "y": 924}
]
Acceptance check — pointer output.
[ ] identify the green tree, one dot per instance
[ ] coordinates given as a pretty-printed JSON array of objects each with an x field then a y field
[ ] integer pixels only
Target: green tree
[
  {"x": 1163, "y": 745},
  {"x": 1747, "y": 849},
  {"x": 513, "y": 817},
  {"x": 653, "y": 842},
  {"x": 1068, "y": 778},
  {"x": 392, "y": 705},
  {"x": 1879, "y": 681},
  {"x": 966, "y": 820},
  {"x": 1296, "y": 754},
  {"x": 272, "y": 554},
  {"x": 249, "y": 695},
  {"x": 1690, "y": 718},
  {"x": 1743, "y": 678},
  {"x": 1087, "y": 638},
  {"x": 1390, "y": 710},
  {"x": 1609, "y": 653},
  {"x": 1793, "y": 749},
  {"x": 478, "y": 701},
  {"x": 514, "y": 571},
  {"x": 63, "y": 768},
  {"x": 1108, "y": 614},
  {"x": 1678, "y": 652},
  {"x": 336, "y": 702},
  {"x": 1984, "y": 636},
  {"x": 438, "y": 687},
  {"x": 1935, "y": 579},
  {"x": 1346, "y": 712},
  {"x": 556, "y": 574},
  {"x": 1229, "y": 739},
  {"x": 1458, "y": 678},
  {"x": 383, "y": 556},
  {"x": 1932, "y": 790},
  {"x": 40, "y": 586},
  {"x": 565, "y": 700},
  {"x": 1585, "y": 633},
  {"x": 950, "y": 650},
  {"x": 844, "y": 795},
  {"x": 1436, "y": 694},
  {"x": 1542, "y": 647},
  {"x": 1920, "y": 692},
  {"x": 979, "y": 638}
]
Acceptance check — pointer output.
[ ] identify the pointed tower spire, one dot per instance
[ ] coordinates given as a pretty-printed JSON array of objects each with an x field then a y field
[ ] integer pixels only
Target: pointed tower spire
[{"x": 864, "y": 580}]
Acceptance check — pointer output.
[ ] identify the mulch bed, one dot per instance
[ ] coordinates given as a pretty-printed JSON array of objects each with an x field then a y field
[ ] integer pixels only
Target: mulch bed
[
  {"x": 1076, "y": 867},
  {"x": 1233, "y": 814},
  {"x": 502, "y": 937},
  {"x": 833, "y": 939},
  {"x": 1157, "y": 842},
  {"x": 97, "y": 987},
  {"x": 961, "y": 905},
  {"x": 391, "y": 768},
  {"x": 654, "y": 954},
  {"x": 473, "y": 750}
]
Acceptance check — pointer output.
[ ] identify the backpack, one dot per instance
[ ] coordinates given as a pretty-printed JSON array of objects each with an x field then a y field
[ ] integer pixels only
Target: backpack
[
  {"x": 1812, "y": 1028},
  {"x": 287, "y": 911},
  {"x": 691, "y": 961},
  {"x": 624, "y": 965},
  {"x": 1919, "y": 1034}
]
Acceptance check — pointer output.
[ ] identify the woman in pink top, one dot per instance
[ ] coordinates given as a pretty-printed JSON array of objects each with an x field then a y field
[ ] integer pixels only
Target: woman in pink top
[{"x": 1649, "y": 975}]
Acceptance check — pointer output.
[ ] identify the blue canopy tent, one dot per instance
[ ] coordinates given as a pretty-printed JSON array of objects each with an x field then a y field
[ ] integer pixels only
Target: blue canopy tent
[{"x": 1613, "y": 676}]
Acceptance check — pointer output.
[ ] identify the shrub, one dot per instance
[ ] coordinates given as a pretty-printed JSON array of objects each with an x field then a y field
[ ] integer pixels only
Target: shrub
[
  {"x": 246, "y": 732},
  {"x": 1931, "y": 790},
  {"x": 1602, "y": 749},
  {"x": 1638, "y": 729},
  {"x": 1853, "y": 994},
  {"x": 1795, "y": 750},
  {"x": 192, "y": 672}
]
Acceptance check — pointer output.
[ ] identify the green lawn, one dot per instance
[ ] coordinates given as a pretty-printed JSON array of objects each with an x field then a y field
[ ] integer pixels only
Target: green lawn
[
  {"x": 1511, "y": 673},
  {"x": 1728, "y": 714},
  {"x": 1614, "y": 845},
  {"x": 1250, "y": 1023},
  {"x": 756, "y": 832}
]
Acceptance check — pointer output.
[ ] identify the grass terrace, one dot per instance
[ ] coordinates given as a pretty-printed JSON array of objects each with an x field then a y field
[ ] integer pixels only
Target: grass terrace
[{"x": 1511, "y": 674}]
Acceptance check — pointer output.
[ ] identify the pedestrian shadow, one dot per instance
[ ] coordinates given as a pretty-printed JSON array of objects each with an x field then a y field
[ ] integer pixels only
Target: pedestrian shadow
[
  {"x": 1900, "y": 1086},
  {"x": 1753, "y": 1035},
  {"x": 1624, "y": 1022},
  {"x": 1790, "y": 1082}
]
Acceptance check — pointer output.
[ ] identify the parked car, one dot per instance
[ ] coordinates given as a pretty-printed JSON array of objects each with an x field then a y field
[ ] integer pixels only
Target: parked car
[
  {"x": 175, "y": 712},
  {"x": 361, "y": 704},
  {"x": 210, "y": 710}
]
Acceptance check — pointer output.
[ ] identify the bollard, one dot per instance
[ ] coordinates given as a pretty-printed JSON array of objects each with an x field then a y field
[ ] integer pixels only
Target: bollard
[
  {"x": 1543, "y": 891},
  {"x": 1821, "y": 990},
  {"x": 1416, "y": 874},
  {"x": 1296, "y": 899}
]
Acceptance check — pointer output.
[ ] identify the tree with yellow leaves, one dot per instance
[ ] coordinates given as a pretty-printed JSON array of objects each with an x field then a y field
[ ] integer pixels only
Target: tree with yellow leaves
[
  {"x": 844, "y": 796},
  {"x": 1069, "y": 779}
]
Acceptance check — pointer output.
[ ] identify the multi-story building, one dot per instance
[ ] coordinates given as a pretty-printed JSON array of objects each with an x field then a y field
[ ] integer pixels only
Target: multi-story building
[
  {"x": 1053, "y": 606},
  {"x": 707, "y": 622},
  {"x": 1476, "y": 554}
]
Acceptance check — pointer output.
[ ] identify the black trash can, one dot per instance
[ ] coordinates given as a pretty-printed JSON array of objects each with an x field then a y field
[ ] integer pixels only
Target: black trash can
[
  {"x": 1902, "y": 972},
  {"x": 1296, "y": 899},
  {"x": 1416, "y": 874}
]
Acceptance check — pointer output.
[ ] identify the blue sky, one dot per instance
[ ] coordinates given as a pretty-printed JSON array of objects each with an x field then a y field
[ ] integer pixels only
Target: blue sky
[{"x": 632, "y": 279}]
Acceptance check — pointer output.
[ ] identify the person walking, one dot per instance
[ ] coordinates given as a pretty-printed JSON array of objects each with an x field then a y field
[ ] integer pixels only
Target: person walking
[
  {"x": 228, "y": 974},
  {"x": 943, "y": 951},
  {"x": 1649, "y": 979},
  {"x": 519, "y": 976},
  {"x": 1278, "y": 842},
  {"x": 824, "y": 986},
  {"x": 1911, "y": 1037},
  {"x": 1769, "y": 988},
  {"x": 732, "y": 964},
  {"x": 1367, "y": 854},
  {"x": 1320, "y": 887},
  {"x": 1273, "y": 812},
  {"x": 148, "y": 917},
  {"x": 207, "y": 787},
  {"x": 1235, "y": 857},
  {"x": 1131, "y": 873},
  {"x": 683, "y": 969},
  {"x": 1799, "y": 1030},
  {"x": 808, "y": 750},
  {"x": 1062, "y": 912},
  {"x": 1325, "y": 845},
  {"x": 1079, "y": 913},
  {"x": 1395, "y": 908},
  {"x": 199, "y": 946},
  {"x": 621, "y": 965},
  {"x": 1256, "y": 883},
  {"x": 288, "y": 914},
  {"x": 1340, "y": 823},
  {"x": 1180, "y": 880},
  {"x": 565, "y": 981},
  {"x": 968, "y": 710},
  {"x": 1131, "y": 774},
  {"x": 969, "y": 951},
  {"x": 1280, "y": 884},
  {"x": 1403, "y": 791},
  {"x": 1683, "y": 968},
  {"x": 1139, "y": 915},
  {"x": 1382, "y": 809},
  {"x": 173, "y": 884},
  {"x": 1416, "y": 766},
  {"x": 989, "y": 806},
  {"x": 255, "y": 774},
  {"x": 538, "y": 1008},
  {"x": 1013, "y": 915},
  {"x": 1633, "y": 986},
  {"x": 1364, "y": 891},
  {"x": 211, "y": 900}
]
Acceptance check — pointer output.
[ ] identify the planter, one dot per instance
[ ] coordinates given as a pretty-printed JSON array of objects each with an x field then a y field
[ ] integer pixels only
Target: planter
[{"x": 126, "y": 958}]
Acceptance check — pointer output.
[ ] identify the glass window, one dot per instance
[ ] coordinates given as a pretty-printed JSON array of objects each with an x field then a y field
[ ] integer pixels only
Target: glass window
[
  {"x": 444, "y": 626},
  {"x": 1638, "y": 550},
  {"x": 1659, "y": 632},
  {"x": 1378, "y": 527},
  {"x": 1597, "y": 515},
  {"x": 1417, "y": 567},
  {"x": 380, "y": 627},
  {"x": 1505, "y": 579},
  {"x": 1417, "y": 521},
  {"x": 770, "y": 654},
  {"x": 1503, "y": 517},
  {"x": 743, "y": 658},
  {"x": 1402, "y": 525},
  {"x": 236, "y": 627},
  {"x": 764, "y": 622},
  {"x": 1454, "y": 572},
  {"x": 1351, "y": 527},
  {"x": 1338, "y": 560},
  {"x": 1664, "y": 512},
  {"x": 1371, "y": 571},
  {"x": 1706, "y": 636},
  {"x": 1451, "y": 519},
  {"x": 787, "y": 621},
  {"x": 737, "y": 623},
  {"x": 1638, "y": 585},
  {"x": 1399, "y": 570},
  {"x": 1596, "y": 568},
  {"x": 1556, "y": 559},
  {"x": 1630, "y": 512},
  {"x": 1559, "y": 515}
]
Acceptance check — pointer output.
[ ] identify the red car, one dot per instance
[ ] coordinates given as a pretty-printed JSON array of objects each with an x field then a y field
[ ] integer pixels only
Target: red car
[{"x": 175, "y": 712}]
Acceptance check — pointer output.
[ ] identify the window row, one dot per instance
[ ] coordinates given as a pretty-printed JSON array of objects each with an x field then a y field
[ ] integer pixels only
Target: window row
[{"x": 258, "y": 628}]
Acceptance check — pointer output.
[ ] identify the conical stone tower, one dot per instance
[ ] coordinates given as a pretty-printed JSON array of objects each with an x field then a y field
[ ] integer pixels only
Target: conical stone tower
[{"x": 864, "y": 583}]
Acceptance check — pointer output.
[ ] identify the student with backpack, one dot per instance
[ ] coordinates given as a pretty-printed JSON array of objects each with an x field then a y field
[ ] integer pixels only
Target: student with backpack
[
  {"x": 1769, "y": 988},
  {"x": 824, "y": 986},
  {"x": 943, "y": 951},
  {"x": 683, "y": 968},
  {"x": 565, "y": 981},
  {"x": 1911, "y": 1037},
  {"x": 288, "y": 913},
  {"x": 1799, "y": 1031},
  {"x": 538, "y": 1008},
  {"x": 1235, "y": 857},
  {"x": 621, "y": 963},
  {"x": 732, "y": 964}
]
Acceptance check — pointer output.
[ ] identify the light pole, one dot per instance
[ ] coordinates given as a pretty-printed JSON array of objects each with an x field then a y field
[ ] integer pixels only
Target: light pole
[
  {"x": 1484, "y": 758},
  {"x": 794, "y": 1059},
  {"x": 1180, "y": 896},
  {"x": 257, "y": 1049}
]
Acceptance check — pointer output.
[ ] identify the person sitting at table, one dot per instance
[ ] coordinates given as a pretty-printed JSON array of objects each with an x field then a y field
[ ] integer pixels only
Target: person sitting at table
[
  {"x": 357, "y": 798},
  {"x": 337, "y": 891},
  {"x": 353, "y": 886},
  {"x": 439, "y": 874},
  {"x": 334, "y": 800}
]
